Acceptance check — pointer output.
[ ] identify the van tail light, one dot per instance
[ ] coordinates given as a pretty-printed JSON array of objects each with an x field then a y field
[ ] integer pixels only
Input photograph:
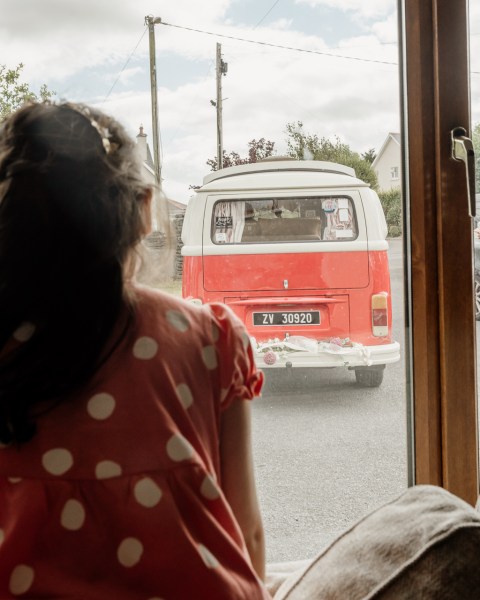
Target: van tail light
[{"x": 380, "y": 314}]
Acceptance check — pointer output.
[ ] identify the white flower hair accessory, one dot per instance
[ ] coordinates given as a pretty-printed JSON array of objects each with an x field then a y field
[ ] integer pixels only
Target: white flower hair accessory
[{"x": 102, "y": 131}]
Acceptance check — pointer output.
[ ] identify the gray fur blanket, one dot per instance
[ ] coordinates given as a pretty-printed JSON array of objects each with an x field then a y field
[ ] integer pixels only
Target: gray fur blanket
[{"x": 424, "y": 545}]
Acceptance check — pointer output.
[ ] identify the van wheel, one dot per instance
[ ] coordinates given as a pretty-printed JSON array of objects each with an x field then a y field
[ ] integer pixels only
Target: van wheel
[{"x": 370, "y": 376}]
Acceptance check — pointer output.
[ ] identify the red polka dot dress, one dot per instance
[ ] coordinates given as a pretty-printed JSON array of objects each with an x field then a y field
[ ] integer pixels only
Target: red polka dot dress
[{"x": 118, "y": 495}]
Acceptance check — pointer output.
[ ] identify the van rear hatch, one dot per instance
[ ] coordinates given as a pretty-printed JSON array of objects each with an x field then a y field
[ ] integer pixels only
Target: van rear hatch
[{"x": 309, "y": 243}]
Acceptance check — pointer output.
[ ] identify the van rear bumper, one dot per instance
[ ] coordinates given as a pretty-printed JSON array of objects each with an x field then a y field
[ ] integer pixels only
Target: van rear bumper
[{"x": 327, "y": 355}]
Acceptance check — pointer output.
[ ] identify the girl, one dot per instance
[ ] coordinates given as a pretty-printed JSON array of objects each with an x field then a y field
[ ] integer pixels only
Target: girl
[{"x": 125, "y": 460}]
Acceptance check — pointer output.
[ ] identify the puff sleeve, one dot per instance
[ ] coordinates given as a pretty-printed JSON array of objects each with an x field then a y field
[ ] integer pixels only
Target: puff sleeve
[{"x": 239, "y": 378}]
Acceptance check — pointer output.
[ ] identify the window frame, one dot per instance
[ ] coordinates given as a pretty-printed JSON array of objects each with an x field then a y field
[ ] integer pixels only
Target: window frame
[{"x": 440, "y": 325}]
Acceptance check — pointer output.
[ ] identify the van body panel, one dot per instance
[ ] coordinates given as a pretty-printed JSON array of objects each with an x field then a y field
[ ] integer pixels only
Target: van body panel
[
  {"x": 276, "y": 272},
  {"x": 358, "y": 327}
]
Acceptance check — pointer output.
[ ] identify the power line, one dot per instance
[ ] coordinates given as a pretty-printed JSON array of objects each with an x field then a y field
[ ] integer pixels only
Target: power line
[
  {"x": 124, "y": 66},
  {"x": 267, "y": 13},
  {"x": 231, "y": 37},
  {"x": 238, "y": 39}
]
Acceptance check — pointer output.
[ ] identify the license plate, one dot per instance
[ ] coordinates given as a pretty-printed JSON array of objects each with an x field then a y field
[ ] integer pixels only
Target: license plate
[{"x": 311, "y": 317}]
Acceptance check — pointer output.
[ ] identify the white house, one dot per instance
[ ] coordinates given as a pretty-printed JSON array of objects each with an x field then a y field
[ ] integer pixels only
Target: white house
[{"x": 387, "y": 164}]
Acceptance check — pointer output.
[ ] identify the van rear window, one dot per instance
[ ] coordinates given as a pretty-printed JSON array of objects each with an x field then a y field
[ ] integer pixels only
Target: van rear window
[{"x": 311, "y": 219}]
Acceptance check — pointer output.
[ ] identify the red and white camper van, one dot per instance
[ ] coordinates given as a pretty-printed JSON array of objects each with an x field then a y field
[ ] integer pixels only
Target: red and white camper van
[{"x": 298, "y": 251}]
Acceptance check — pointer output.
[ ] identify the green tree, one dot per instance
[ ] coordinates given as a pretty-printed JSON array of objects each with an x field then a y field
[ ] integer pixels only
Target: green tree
[
  {"x": 257, "y": 150},
  {"x": 14, "y": 93},
  {"x": 476, "y": 147},
  {"x": 306, "y": 146},
  {"x": 370, "y": 155}
]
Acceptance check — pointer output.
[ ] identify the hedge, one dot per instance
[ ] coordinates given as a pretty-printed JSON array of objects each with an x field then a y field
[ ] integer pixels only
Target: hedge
[{"x": 392, "y": 207}]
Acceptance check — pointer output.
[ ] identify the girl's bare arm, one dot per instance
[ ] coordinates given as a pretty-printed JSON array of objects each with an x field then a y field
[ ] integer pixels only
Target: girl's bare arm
[{"x": 238, "y": 481}]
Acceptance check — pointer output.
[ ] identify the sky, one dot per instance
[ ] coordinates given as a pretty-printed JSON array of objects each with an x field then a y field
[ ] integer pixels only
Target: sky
[{"x": 344, "y": 84}]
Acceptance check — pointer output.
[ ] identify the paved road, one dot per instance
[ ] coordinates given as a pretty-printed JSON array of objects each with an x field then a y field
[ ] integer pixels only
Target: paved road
[{"x": 327, "y": 452}]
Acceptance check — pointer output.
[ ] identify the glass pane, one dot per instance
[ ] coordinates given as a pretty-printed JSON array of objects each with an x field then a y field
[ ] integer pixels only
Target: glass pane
[
  {"x": 288, "y": 219},
  {"x": 474, "y": 17},
  {"x": 316, "y": 273},
  {"x": 310, "y": 258}
]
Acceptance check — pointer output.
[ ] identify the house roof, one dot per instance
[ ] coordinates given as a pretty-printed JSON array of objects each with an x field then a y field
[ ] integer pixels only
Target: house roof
[
  {"x": 174, "y": 205},
  {"x": 149, "y": 160},
  {"x": 395, "y": 137}
]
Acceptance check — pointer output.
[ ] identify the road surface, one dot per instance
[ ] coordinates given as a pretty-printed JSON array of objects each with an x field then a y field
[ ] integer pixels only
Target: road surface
[{"x": 326, "y": 451}]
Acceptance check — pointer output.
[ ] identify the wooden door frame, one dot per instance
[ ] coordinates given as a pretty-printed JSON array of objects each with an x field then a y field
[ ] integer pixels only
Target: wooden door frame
[{"x": 440, "y": 323}]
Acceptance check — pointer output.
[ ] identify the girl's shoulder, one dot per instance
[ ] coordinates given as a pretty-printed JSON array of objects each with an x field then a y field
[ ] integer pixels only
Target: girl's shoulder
[
  {"x": 207, "y": 334},
  {"x": 146, "y": 299},
  {"x": 153, "y": 305}
]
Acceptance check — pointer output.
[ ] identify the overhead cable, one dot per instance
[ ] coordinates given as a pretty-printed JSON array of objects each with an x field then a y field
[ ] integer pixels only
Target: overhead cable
[
  {"x": 231, "y": 37},
  {"x": 267, "y": 13},
  {"x": 124, "y": 66}
]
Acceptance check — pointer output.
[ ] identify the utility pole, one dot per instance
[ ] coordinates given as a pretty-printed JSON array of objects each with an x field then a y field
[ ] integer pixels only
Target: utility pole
[
  {"x": 222, "y": 68},
  {"x": 151, "y": 22}
]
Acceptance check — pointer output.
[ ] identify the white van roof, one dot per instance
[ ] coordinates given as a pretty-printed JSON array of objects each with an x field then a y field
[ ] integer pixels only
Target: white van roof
[
  {"x": 283, "y": 165},
  {"x": 289, "y": 178}
]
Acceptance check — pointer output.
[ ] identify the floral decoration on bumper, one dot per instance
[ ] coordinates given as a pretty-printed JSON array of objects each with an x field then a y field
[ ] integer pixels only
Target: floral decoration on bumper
[{"x": 275, "y": 350}]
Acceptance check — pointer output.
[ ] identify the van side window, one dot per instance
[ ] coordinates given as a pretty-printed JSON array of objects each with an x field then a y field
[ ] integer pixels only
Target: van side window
[{"x": 310, "y": 219}]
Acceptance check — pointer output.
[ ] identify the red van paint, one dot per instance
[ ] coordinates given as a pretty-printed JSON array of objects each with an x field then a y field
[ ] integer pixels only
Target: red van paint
[{"x": 298, "y": 250}]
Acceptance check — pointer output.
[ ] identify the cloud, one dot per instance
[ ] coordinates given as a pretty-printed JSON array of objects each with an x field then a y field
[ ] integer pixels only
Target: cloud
[
  {"x": 128, "y": 74},
  {"x": 80, "y": 50},
  {"x": 266, "y": 88},
  {"x": 367, "y": 9},
  {"x": 387, "y": 30},
  {"x": 57, "y": 38}
]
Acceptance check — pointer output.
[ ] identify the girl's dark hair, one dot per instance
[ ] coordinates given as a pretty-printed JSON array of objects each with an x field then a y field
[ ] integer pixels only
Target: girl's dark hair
[{"x": 70, "y": 215}]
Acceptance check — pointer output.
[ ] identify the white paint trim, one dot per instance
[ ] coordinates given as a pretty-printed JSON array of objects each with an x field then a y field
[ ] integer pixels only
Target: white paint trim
[{"x": 286, "y": 248}]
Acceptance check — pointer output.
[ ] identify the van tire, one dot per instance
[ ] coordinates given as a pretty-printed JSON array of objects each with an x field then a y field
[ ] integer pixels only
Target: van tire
[{"x": 370, "y": 376}]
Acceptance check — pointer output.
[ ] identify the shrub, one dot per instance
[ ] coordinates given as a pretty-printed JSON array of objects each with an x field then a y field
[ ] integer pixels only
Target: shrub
[
  {"x": 394, "y": 231},
  {"x": 391, "y": 201}
]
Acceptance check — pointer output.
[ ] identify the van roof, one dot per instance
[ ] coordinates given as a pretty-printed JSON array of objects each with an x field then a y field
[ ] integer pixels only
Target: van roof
[{"x": 280, "y": 165}]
